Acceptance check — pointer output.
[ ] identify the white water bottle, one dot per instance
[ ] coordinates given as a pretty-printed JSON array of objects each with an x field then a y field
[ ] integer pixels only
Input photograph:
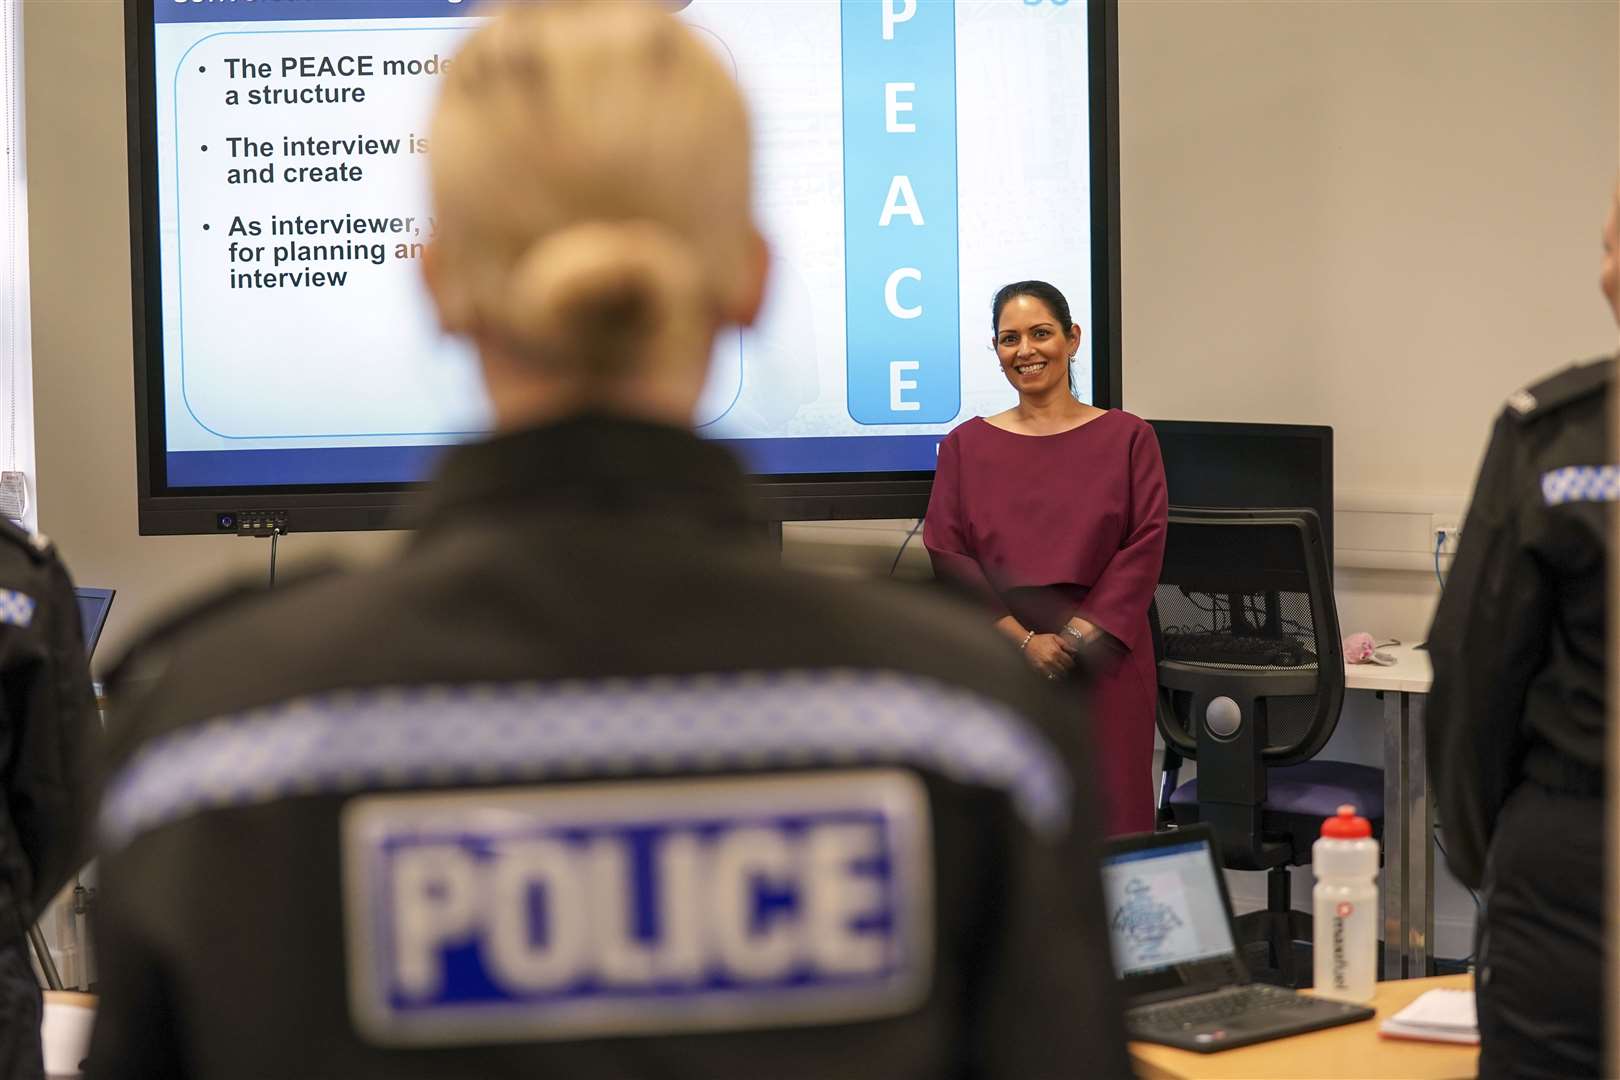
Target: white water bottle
[{"x": 1345, "y": 928}]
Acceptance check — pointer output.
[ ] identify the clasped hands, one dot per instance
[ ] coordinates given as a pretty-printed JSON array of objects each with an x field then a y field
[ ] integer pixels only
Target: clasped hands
[{"x": 1053, "y": 655}]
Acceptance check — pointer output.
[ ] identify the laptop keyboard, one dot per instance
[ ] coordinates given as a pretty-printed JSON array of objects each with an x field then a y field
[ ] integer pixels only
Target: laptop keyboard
[{"x": 1214, "y": 1008}]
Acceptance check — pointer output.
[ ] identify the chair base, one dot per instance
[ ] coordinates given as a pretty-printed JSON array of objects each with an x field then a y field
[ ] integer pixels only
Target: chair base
[
  {"x": 1286, "y": 940},
  {"x": 1296, "y": 976}
]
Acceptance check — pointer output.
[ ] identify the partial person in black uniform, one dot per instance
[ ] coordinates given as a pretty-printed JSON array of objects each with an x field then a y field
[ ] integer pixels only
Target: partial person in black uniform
[
  {"x": 584, "y": 783},
  {"x": 1517, "y": 718},
  {"x": 47, "y": 716}
]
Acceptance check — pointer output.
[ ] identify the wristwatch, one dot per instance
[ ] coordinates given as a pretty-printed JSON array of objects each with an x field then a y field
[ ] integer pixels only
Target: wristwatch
[{"x": 1071, "y": 631}]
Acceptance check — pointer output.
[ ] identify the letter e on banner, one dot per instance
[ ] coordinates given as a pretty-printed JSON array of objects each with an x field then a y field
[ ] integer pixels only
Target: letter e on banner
[
  {"x": 898, "y": 386},
  {"x": 893, "y": 107}
]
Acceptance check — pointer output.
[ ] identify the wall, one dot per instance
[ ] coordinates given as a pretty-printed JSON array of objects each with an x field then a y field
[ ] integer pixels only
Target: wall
[
  {"x": 84, "y": 383},
  {"x": 1378, "y": 216},
  {"x": 1382, "y": 217}
]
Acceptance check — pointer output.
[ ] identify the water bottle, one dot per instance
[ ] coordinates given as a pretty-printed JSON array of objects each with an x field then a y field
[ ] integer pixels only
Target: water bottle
[{"x": 1345, "y": 950}]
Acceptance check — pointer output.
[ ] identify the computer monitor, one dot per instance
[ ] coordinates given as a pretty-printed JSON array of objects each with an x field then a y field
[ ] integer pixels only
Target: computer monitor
[
  {"x": 93, "y": 607},
  {"x": 265, "y": 399},
  {"x": 1250, "y": 466}
]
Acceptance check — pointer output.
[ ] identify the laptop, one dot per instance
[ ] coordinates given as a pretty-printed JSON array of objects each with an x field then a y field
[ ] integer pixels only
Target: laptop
[
  {"x": 1184, "y": 979},
  {"x": 93, "y": 607}
]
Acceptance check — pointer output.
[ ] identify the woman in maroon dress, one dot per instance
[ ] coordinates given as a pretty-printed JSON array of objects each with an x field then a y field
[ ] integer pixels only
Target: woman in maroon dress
[{"x": 1054, "y": 513}]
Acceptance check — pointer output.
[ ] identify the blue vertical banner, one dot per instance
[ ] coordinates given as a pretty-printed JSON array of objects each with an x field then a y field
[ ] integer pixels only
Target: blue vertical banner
[{"x": 901, "y": 295}]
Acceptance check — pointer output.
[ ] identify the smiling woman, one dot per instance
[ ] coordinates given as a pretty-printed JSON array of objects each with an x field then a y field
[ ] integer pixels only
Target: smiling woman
[
  {"x": 1053, "y": 514},
  {"x": 1035, "y": 339}
]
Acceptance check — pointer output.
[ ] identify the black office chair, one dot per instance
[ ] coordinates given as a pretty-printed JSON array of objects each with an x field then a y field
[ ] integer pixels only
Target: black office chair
[{"x": 1243, "y": 611}]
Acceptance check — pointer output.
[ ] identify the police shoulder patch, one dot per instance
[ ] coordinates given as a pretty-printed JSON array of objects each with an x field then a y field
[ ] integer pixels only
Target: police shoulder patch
[
  {"x": 637, "y": 907},
  {"x": 1521, "y": 402},
  {"x": 1574, "y": 383},
  {"x": 37, "y": 545},
  {"x": 1581, "y": 483},
  {"x": 16, "y": 608}
]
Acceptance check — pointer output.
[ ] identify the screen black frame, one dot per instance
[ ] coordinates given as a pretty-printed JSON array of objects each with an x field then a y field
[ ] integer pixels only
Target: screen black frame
[
  {"x": 1320, "y": 435},
  {"x": 254, "y": 510}
]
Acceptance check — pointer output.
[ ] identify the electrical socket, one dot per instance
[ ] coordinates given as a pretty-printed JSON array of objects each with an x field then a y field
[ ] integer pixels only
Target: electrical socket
[{"x": 1447, "y": 531}]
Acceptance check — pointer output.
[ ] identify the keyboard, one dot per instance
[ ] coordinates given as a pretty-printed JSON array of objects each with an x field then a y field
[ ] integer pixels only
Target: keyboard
[
  {"x": 1217, "y": 1007},
  {"x": 1221, "y": 648}
]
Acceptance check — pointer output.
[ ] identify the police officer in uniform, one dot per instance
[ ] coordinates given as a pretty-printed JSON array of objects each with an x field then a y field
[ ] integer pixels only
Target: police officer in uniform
[
  {"x": 1517, "y": 717},
  {"x": 46, "y": 720},
  {"x": 584, "y": 783}
]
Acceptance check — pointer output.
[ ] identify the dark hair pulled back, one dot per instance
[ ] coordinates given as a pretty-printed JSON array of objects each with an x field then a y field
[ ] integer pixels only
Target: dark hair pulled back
[{"x": 1046, "y": 293}]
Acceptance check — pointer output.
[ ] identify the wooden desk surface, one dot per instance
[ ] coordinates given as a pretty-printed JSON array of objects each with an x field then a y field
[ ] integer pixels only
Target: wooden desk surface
[
  {"x": 1351, "y": 1052},
  {"x": 1411, "y": 673}
]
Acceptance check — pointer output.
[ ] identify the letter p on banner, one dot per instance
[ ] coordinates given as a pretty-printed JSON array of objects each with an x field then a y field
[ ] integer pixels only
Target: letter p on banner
[
  {"x": 900, "y": 214},
  {"x": 894, "y": 13}
]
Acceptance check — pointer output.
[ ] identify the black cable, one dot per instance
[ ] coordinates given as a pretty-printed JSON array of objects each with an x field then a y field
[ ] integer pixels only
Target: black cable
[
  {"x": 275, "y": 534},
  {"x": 903, "y": 543},
  {"x": 1439, "y": 542}
]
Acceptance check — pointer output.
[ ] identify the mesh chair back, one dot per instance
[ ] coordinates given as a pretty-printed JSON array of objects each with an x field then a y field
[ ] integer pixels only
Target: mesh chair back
[{"x": 1245, "y": 609}]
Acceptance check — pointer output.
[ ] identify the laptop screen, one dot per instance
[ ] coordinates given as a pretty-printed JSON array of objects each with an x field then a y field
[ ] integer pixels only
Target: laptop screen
[
  {"x": 93, "y": 607},
  {"x": 1167, "y": 914}
]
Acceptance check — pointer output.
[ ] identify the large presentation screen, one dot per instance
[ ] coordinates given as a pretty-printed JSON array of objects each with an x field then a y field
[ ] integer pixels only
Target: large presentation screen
[{"x": 911, "y": 157}]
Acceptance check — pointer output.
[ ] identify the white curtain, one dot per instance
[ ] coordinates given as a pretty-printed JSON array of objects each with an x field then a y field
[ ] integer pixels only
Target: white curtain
[{"x": 16, "y": 354}]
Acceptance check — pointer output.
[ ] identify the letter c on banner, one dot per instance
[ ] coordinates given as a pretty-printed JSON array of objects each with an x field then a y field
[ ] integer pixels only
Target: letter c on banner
[{"x": 891, "y": 293}]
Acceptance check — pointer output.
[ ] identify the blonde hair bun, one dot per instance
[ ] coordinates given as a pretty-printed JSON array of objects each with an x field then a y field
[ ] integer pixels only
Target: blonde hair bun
[
  {"x": 591, "y": 167},
  {"x": 635, "y": 281}
]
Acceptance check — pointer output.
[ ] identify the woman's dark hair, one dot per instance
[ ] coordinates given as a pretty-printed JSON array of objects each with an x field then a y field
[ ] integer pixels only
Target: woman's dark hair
[{"x": 1046, "y": 293}]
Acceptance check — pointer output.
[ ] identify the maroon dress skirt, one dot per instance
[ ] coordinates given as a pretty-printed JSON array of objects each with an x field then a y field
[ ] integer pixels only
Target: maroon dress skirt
[{"x": 1046, "y": 527}]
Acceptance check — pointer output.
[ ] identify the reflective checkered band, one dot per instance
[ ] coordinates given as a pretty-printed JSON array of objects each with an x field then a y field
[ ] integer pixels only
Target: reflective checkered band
[
  {"x": 403, "y": 737},
  {"x": 16, "y": 609},
  {"x": 1581, "y": 483}
]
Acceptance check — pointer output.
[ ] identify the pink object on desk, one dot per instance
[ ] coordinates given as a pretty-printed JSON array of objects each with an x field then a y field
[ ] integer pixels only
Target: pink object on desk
[{"x": 1358, "y": 648}]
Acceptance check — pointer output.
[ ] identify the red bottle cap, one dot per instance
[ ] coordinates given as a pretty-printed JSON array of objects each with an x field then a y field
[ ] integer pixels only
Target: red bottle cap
[{"x": 1347, "y": 826}]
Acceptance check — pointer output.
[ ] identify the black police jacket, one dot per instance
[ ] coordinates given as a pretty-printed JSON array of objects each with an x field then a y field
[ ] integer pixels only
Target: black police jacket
[
  {"x": 47, "y": 718},
  {"x": 1518, "y": 638},
  {"x": 585, "y": 784}
]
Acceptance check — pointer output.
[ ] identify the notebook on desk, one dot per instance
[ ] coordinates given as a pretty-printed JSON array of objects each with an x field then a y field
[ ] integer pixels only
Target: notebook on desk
[
  {"x": 1184, "y": 978},
  {"x": 1437, "y": 1016}
]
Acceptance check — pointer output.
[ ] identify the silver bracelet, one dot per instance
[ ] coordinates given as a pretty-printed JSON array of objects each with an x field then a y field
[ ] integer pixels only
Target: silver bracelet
[
  {"x": 1027, "y": 636},
  {"x": 1073, "y": 631}
]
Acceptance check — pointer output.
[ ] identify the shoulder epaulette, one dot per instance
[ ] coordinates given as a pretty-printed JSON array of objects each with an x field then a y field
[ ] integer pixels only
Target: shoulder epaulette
[
  {"x": 37, "y": 545},
  {"x": 1570, "y": 385},
  {"x": 220, "y": 601}
]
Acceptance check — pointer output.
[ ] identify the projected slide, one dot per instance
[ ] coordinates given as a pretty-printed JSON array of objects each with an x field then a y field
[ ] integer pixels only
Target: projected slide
[{"x": 911, "y": 157}]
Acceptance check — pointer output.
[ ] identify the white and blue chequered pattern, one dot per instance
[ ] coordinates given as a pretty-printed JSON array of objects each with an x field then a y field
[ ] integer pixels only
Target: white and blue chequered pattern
[
  {"x": 376, "y": 739},
  {"x": 16, "y": 609},
  {"x": 1581, "y": 483}
]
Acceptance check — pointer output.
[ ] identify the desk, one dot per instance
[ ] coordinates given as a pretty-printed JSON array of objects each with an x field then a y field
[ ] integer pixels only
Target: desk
[
  {"x": 1408, "y": 809},
  {"x": 1352, "y": 1051}
]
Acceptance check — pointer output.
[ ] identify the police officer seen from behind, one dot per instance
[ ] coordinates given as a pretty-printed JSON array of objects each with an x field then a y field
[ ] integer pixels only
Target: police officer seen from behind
[
  {"x": 584, "y": 784},
  {"x": 1517, "y": 716},
  {"x": 47, "y": 716}
]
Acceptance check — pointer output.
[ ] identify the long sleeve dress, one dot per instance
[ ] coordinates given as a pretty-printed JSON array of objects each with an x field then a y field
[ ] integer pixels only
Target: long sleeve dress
[{"x": 1046, "y": 527}]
